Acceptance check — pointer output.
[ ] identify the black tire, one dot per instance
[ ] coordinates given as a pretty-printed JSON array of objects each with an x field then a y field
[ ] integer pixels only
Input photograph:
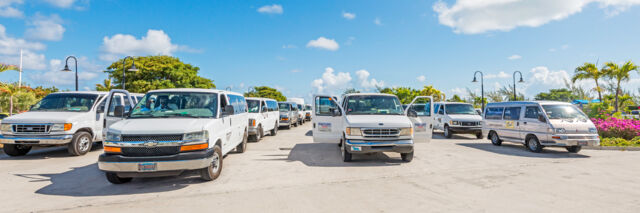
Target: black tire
[
  {"x": 213, "y": 171},
  {"x": 495, "y": 139},
  {"x": 113, "y": 177},
  {"x": 447, "y": 132},
  {"x": 258, "y": 135},
  {"x": 346, "y": 156},
  {"x": 533, "y": 144},
  {"x": 574, "y": 149},
  {"x": 15, "y": 150},
  {"x": 242, "y": 147},
  {"x": 407, "y": 157},
  {"x": 80, "y": 144},
  {"x": 274, "y": 131},
  {"x": 295, "y": 124},
  {"x": 479, "y": 135}
]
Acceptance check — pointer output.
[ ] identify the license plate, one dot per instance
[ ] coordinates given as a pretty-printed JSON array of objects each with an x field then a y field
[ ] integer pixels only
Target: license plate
[
  {"x": 147, "y": 167},
  {"x": 356, "y": 148},
  {"x": 583, "y": 143}
]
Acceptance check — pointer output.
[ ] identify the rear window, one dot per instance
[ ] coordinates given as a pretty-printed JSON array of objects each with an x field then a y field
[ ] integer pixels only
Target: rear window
[{"x": 494, "y": 113}]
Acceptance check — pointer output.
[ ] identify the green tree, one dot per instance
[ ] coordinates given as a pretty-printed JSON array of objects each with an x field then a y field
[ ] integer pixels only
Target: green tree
[
  {"x": 105, "y": 86},
  {"x": 507, "y": 93},
  {"x": 158, "y": 72},
  {"x": 407, "y": 94},
  {"x": 563, "y": 94},
  {"x": 475, "y": 99},
  {"x": 589, "y": 71},
  {"x": 266, "y": 92},
  {"x": 349, "y": 91},
  {"x": 431, "y": 91},
  {"x": 618, "y": 74},
  {"x": 9, "y": 91},
  {"x": 455, "y": 98},
  {"x": 6, "y": 67}
]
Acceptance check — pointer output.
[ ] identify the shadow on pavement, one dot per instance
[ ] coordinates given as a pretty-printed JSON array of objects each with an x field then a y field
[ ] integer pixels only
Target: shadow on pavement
[
  {"x": 519, "y": 150},
  {"x": 440, "y": 135},
  {"x": 89, "y": 181},
  {"x": 309, "y": 133},
  {"x": 328, "y": 155},
  {"x": 39, "y": 153}
]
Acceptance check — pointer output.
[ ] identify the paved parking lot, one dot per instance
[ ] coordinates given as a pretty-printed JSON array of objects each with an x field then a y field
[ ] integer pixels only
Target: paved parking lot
[{"x": 290, "y": 173}]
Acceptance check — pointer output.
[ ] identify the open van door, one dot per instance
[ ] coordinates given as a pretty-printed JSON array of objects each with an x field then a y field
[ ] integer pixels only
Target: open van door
[
  {"x": 420, "y": 112},
  {"x": 327, "y": 119},
  {"x": 116, "y": 98}
]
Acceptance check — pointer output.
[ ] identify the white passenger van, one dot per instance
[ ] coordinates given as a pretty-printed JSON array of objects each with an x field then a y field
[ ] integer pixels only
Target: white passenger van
[
  {"x": 457, "y": 118},
  {"x": 300, "y": 107},
  {"x": 173, "y": 130},
  {"x": 288, "y": 114},
  {"x": 538, "y": 124},
  {"x": 307, "y": 112},
  {"x": 75, "y": 119},
  {"x": 371, "y": 122},
  {"x": 263, "y": 117}
]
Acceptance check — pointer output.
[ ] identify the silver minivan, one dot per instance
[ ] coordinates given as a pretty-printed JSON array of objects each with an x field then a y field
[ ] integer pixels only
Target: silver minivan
[{"x": 538, "y": 124}]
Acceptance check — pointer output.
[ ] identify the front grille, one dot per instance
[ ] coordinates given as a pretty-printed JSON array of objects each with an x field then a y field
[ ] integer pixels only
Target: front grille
[
  {"x": 380, "y": 133},
  {"x": 466, "y": 123},
  {"x": 150, "y": 151},
  {"x": 585, "y": 137},
  {"x": 151, "y": 137},
  {"x": 31, "y": 128}
]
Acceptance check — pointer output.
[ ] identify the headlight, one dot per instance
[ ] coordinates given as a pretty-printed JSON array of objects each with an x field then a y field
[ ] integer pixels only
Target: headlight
[
  {"x": 61, "y": 127},
  {"x": 454, "y": 122},
  {"x": 5, "y": 127},
  {"x": 252, "y": 122},
  {"x": 354, "y": 131},
  {"x": 406, "y": 131},
  {"x": 560, "y": 130},
  {"x": 593, "y": 130},
  {"x": 202, "y": 135},
  {"x": 112, "y": 136}
]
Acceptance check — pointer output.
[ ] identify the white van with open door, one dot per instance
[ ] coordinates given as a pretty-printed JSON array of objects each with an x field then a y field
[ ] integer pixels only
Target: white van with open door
[{"x": 372, "y": 122}]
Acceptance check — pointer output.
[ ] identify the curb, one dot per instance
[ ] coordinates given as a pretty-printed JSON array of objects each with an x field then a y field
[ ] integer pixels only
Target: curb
[{"x": 615, "y": 148}]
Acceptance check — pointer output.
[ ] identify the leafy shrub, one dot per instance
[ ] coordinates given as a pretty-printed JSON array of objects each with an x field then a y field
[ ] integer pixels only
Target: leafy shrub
[
  {"x": 613, "y": 127},
  {"x": 620, "y": 142}
]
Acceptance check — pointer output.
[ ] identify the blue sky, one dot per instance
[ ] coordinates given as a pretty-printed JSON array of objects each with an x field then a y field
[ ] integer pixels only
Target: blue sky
[{"x": 306, "y": 47}]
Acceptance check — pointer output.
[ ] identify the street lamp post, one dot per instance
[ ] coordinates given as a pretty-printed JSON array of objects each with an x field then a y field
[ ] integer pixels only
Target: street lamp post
[
  {"x": 132, "y": 69},
  {"x": 515, "y": 95},
  {"x": 66, "y": 68},
  {"x": 481, "y": 85}
]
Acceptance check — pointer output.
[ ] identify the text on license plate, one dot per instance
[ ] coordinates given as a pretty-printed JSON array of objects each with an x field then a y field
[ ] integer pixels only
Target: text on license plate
[
  {"x": 583, "y": 143},
  {"x": 146, "y": 167}
]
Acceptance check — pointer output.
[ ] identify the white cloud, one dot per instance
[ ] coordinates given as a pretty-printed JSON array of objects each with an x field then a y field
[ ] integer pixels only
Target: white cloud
[
  {"x": 330, "y": 82},
  {"x": 514, "y": 57},
  {"x": 8, "y": 10},
  {"x": 421, "y": 78},
  {"x": 87, "y": 72},
  {"x": 365, "y": 82},
  {"x": 472, "y": 16},
  {"x": 324, "y": 43},
  {"x": 501, "y": 74},
  {"x": 156, "y": 42},
  {"x": 271, "y": 9},
  {"x": 462, "y": 92},
  {"x": 10, "y": 51},
  {"x": 377, "y": 21},
  {"x": 348, "y": 15},
  {"x": 61, "y": 3},
  {"x": 289, "y": 46},
  {"x": 542, "y": 75},
  {"x": 47, "y": 28}
]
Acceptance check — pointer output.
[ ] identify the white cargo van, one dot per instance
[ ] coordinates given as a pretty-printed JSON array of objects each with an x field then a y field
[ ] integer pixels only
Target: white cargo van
[
  {"x": 263, "y": 117},
  {"x": 457, "y": 118},
  {"x": 371, "y": 122},
  {"x": 75, "y": 119},
  {"x": 300, "y": 106},
  {"x": 538, "y": 124},
  {"x": 173, "y": 130}
]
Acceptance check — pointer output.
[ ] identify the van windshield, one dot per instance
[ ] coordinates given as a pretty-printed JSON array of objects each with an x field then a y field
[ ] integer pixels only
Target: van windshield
[
  {"x": 373, "y": 105},
  {"x": 254, "y": 106},
  {"x": 308, "y": 108},
  {"x": 564, "y": 112},
  {"x": 284, "y": 107},
  {"x": 68, "y": 102},
  {"x": 460, "y": 109},
  {"x": 176, "y": 104}
]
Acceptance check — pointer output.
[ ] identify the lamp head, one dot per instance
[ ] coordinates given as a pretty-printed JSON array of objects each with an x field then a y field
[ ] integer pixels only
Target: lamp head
[
  {"x": 474, "y": 79},
  {"x": 133, "y": 68},
  {"x": 66, "y": 68},
  {"x": 521, "y": 80}
]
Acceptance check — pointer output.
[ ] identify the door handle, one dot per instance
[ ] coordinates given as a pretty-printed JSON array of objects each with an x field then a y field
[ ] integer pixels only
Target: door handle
[
  {"x": 525, "y": 123},
  {"x": 518, "y": 123}
]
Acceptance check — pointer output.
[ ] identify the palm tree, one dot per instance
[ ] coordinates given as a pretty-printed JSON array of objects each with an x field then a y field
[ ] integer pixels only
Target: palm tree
[
  {"x": 589, "y": 71},
  {"x": 5, "y": 67},
  {"x": 105, "y": 86},
  {"x": 11, "y": 90},
  {"x": 619, "y": 74}
]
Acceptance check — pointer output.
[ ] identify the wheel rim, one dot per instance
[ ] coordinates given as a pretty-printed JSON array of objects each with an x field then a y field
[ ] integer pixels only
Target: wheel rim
[
  {"x": 215, "y": 165},
  {"x": 532, "y": 144},
  {"x": 342, "y": 151},
  {"x": 84, "y": 144},
  {"x": 446, "y": 131},
  {"x": 494, "y": 138}
]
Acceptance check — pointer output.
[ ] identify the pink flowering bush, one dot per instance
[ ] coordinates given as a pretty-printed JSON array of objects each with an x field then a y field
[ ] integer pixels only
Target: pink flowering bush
[{"x": 617, "y": 128}]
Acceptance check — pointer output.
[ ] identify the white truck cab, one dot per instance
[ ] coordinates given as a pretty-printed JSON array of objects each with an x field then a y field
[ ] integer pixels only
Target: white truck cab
[
  {"x": 457, "y": 118},
  {"x": 173, "y": 130},
  {"x": 264, "y": 116},
  {"x": 371, "y": 122},
  {"x": 75, "y": 119}
]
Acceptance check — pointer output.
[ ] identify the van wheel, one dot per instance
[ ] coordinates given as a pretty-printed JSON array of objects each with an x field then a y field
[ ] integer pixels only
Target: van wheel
[
  {"x": 447, "y": 132},
  {"x": 479, "y": 135},
  {"x": 80, "y": 144},
  {"x": 346, "y": 156},
  {"x": 258, "y": 135},
  {"x": 574, "y": 149},
  {"x": 243, "y": 145},
  {"x": 533, "y": 144},
  {"x": 274, "y": 131},
  {"x": 495, "y": 139},
  {"x": 113, "y": 177},
  {"x": 295, "y": 124},
  {"x": 15, "y": 150},
  {"x": 213, "y": 171},
  {"x": 407, "y": 157}
]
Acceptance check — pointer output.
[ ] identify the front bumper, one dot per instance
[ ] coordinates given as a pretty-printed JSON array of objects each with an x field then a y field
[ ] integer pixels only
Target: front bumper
[
  {"x": 253, "y": 130},
  {"x": 572, "y": 140},
  {"x": 36, "y": 139},
  {"x": 178, "y": 162},
  {"x": 284, "y": 122},
  {"x": 369, "y": 146},
  {"x": 465, "y": 129}
]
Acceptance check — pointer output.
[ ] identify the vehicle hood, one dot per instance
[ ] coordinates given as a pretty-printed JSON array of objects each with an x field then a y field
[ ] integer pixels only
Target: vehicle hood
[
  {"x": 158, "y": 126},
  {"x": 285, "y": 113},
  {"x": 574, "y": 126},
  {"x": 466, "y": 117},
  {"x": 253, "y": 115},
  {"x": 44, "y": 117},
  {"x": 374, "y": 121}
]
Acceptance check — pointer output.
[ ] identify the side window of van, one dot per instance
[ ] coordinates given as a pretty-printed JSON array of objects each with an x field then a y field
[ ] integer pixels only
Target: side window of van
[
  {"x": 324, "y": 106},
  {"x": 116, "y": 101},
  {"x": 223, "y": 102},
  {"x": 512, "y": 113},
  {"x": 494, "y": 113},
  {"x": 441, "y": 110},
  {"x": 532, "y": 112}
]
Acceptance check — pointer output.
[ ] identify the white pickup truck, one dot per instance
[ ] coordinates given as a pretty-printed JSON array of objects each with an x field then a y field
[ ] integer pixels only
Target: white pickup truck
[
  {"x": 75, "y": 119},
  {"x": 173, "y": 130},
  {"x": 371, "y": 122}
]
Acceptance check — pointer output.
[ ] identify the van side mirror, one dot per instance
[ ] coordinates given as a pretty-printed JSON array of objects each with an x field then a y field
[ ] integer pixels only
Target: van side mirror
[
  {"x": 228, "y": 110},
  {"x": 335, "y": 112},
  {"x": 118, "y": 111},
  {"x": 264, "y": 108},
  {"x": 542, "y": 119},
  {"x": 100, "y": 110},
  {"x": 412, "y": 113}
]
